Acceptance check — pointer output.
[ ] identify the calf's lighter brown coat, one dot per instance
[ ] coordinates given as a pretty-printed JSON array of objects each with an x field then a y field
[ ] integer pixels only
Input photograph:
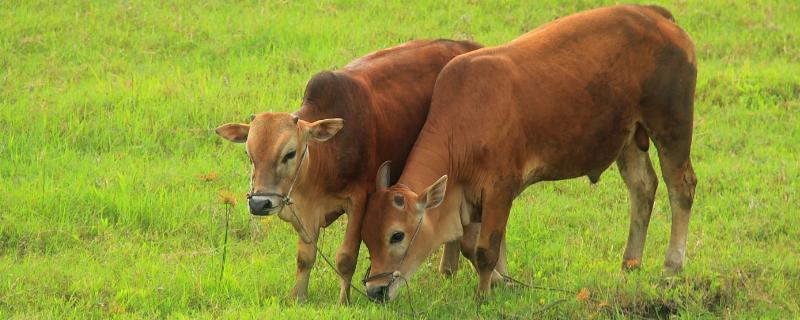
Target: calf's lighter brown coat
[{"x": 563, "y": 101}]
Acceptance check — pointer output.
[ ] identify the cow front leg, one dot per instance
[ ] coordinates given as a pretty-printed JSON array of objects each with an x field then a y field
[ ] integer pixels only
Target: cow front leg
[
  {"x": 306, "y": 255},
  {"x": 468, "y": 243},
  {"x": 347, "y": 255},
  {"x": 487, "y": 253}
]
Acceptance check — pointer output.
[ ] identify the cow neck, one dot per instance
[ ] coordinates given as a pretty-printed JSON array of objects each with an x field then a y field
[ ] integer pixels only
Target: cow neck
[
  {"x": 428, "y": 161},
  {"x": 314, "y": 173}
]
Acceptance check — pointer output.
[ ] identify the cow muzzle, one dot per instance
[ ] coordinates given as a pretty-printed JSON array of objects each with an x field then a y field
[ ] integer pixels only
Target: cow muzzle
[
  {"x": 382, "y": 287},
  {"x": 264, "y": 205},
  {"x": 379, "y": 293}
]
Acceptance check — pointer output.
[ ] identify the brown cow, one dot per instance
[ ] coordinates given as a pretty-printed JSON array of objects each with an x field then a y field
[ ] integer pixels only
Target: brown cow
[
  {"x": 563, "y": 101},
  {"x": 383, "y": 98}
]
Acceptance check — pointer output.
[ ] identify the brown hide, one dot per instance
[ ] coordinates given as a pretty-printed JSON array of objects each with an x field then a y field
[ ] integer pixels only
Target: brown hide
[
  {"x": 559, "y": 102},
  {"x": 383, "y": 100}
]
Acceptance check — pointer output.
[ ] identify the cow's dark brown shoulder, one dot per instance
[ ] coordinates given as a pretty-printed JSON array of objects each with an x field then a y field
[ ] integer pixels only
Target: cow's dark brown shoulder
[
  {"x": 334, "y": 94},
  {"x": 662, "y": 11},
  {"x": 322, "y": 89}
]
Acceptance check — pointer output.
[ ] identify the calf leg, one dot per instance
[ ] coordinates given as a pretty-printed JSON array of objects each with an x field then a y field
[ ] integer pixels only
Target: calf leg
[
  {"x": 487, "y": 253},
  {"x": 672, "y": 136},
  {"x": 640, "y": 178},
  {"x": 449, "y": 262},
  {"x": 671, "y": 129},
  {"x": 306, "y": 255},
  {"x": 668, "y": 110},
  {"x": 500, "y": 269},
  {"x": 468, "y": 243}
]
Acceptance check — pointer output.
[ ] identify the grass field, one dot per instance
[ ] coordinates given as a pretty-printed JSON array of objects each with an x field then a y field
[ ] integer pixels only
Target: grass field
[{"x": 110, "y": 171}]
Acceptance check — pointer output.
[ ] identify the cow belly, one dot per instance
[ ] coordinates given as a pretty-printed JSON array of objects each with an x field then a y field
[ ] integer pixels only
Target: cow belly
[{"x": 580, "y": 152}]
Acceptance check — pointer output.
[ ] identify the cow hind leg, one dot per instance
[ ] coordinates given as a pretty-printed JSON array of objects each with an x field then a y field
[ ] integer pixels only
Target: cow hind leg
[
  {"x": 640, "y": 178},
  {"x": 679, "y": 176},
  {"x": 448, "y": 265},
  {"x": 669, "y": 117},
  {"x": 667, "y": 112}
]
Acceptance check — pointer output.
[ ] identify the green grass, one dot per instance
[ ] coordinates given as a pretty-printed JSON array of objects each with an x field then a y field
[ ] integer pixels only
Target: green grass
[{"x": 106, "y": 111}]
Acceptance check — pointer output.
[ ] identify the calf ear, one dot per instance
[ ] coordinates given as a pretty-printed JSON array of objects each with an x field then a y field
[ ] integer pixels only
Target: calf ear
[
  {"x": 325, "y": 129},
  {"x": 235, "y": 132},
  {"x": 384, "y": 176},
  {"x": 433, "y": 196}
]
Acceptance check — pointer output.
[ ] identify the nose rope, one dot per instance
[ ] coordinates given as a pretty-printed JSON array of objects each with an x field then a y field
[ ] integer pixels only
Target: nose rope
[
  {"x": 286, "y": 201},
  {"x": 307, "y": 238}
]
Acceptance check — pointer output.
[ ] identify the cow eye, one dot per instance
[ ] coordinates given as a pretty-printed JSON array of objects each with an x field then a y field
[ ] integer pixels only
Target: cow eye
[
  {"x": 397, "y": 237},
  {"x": 288, "y": 156}
]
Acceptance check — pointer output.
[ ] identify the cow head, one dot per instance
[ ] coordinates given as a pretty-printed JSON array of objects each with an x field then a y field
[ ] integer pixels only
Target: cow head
[
  {"x": 396, "y": 240},
  {"x": 275, "y": 143}
]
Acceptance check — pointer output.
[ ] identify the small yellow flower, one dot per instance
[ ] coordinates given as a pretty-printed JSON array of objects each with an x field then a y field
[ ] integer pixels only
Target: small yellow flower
[
  {"x": 227, "y": 197},
  {"x": 211, "y": 176},
  {"x": 583, "y": 295},
  {"x": 632, "y": 263}
]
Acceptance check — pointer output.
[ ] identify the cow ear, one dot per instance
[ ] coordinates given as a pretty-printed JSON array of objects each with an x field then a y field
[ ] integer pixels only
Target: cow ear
[
  {"x": 322, "y": 130},
  {"x": 382, "y": 179},
  {"x": 235, "y": 132},
  {"x": 433, "y": 196}
]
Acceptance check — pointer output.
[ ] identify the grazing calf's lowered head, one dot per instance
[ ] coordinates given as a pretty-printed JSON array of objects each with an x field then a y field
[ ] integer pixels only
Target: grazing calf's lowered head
[{"x": 402, "y": 239}]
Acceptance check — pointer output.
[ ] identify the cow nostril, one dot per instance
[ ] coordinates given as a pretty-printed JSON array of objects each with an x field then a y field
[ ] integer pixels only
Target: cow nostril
[{"x": 256, "y": 205}]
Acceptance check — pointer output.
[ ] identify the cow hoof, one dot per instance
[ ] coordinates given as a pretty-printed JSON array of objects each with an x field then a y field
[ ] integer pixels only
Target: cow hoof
[
  {"x": 344, "y": 300},
  {"x": 448, "y": 272},
  {"x": 481, "y": 295},
  {"x": 298, "y": 298},
  {"x": 497, "y": 279},
  {"x": 672, "y": 271}
]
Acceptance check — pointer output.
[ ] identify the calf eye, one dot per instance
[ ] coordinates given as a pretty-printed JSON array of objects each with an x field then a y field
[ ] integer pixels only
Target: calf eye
[
  {"x": 397, "y": 237},
  {"x": 288, "y": 156}
]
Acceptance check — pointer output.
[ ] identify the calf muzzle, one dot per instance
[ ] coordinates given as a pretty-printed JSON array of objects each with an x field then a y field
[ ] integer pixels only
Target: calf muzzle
[{"x": 378, "y": 293}]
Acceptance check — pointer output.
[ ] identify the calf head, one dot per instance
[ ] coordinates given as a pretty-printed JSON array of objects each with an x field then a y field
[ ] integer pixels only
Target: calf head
[
  {"x": 275, "y": 144},
  {"x": 396, "y": 233}
]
